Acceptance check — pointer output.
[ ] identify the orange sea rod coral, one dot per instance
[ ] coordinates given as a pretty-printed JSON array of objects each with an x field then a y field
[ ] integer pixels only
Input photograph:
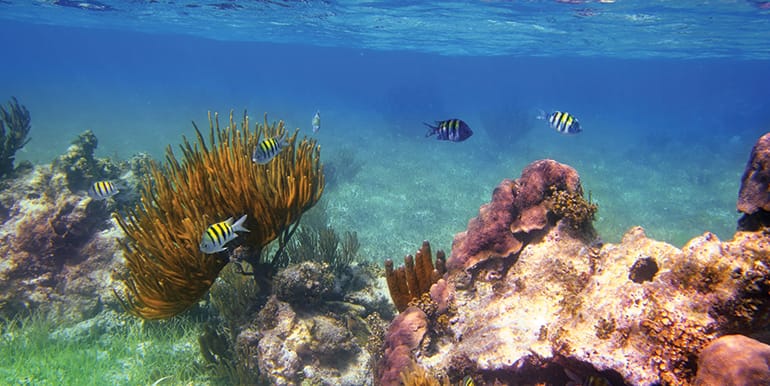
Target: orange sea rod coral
[{"x": 167, "y": 271}]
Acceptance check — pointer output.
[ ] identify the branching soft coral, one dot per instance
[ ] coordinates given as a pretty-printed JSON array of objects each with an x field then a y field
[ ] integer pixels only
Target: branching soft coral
[
  {"x": 167, "y": 271},
  {"x": 14, "y": 129}
]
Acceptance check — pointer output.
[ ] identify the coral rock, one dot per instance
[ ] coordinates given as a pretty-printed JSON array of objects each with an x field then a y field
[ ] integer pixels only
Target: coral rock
[
  {"x": 754, "y": 195},
  {"x": 293, "y": 349},
  {"x": 404, "y": 335},
  {"x": 734, "y": 360},
  {"x": 58, "y": 249},
  {"x": 562, "y": 302},
  {"x": 442, "y": 294},
  {"x": 561, "y": 298},
  {"x": 517, "y": 209},
  {"x": 489, "y": 233},
  {"x": 304, "y": 284}
]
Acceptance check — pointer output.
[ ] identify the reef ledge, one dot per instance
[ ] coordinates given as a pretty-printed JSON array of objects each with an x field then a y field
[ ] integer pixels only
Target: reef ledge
[{"x": 560, "y": 306}]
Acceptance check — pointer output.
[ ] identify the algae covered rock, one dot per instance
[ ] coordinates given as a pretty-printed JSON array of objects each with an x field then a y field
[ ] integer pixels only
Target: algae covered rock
[
  {"x": 303, "y": 284},
  {"x": 289, "y": 348},
  {"x": 81, "y": 167},
  {"x": 638, "y": 312},
  {"x": 59, "y": 249}
]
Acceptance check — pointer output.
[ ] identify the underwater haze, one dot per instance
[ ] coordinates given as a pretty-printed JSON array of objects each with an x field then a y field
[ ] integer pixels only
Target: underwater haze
[{"x": 670, "y": 96}]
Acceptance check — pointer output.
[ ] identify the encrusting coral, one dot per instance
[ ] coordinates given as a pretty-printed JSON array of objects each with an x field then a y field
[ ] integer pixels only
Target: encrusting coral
[
  {"x": 572, "y": 206},
  {"x": 414, "y": 278},
  {"x": 214, "y": 181},
  {"x": 14, "y": 129}
]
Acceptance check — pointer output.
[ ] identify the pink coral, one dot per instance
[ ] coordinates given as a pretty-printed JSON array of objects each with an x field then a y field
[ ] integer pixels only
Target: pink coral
[
  {"x": 404, "y": 335},
  {"x": 734, "y": 360},
  {"x": 488, "y": 233},
  {"x": 517, "y": 209}
]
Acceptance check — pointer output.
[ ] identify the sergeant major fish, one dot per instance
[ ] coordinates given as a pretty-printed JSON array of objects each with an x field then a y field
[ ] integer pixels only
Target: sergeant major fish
[
  {"x": 454, "y": 130},
  {"x": 316, "y": 121},
  {"x": 268, "y": 149},
  {"x": 562, "y": 122},
  {"x": 217, "y": 235},
  {"x": 102, "y": 190}
]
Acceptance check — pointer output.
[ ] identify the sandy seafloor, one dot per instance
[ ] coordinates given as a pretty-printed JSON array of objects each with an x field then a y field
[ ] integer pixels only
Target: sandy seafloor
[{"x": 664, "y": 143}]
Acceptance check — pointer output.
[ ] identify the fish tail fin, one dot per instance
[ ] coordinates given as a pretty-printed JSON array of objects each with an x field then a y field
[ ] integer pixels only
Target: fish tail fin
[
  {"x": 238, "y": 225},
  {"x": 431, "y": 129},
  {"x": 284, "y": 140},
  {"x": 121, "y": 183}
]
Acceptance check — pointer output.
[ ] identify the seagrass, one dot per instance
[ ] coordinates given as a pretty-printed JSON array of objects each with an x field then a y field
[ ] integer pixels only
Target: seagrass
[{"x": 181, "y": 198}]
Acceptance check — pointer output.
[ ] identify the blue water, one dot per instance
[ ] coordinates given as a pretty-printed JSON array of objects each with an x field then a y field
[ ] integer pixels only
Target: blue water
[{"x": 671, "y": 96}]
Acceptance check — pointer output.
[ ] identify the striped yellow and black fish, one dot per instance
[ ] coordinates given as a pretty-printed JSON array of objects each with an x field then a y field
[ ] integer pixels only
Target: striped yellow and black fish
[
  {"x": 454, "y": 130},
  {"x": 268, "y": 149},
  {"x": 563, "y": 122},
  {"x": 468, "y": 381},
  {"x": 102, "y": 190},
  {"x": 217, "y": 235}
]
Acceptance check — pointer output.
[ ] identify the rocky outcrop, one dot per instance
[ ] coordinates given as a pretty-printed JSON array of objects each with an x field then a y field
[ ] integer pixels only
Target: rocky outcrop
[
  {"x": 58, "y": 247},
  {"x": 517, "y": 211},
  {"x": 316, "y": 328},
  {"x": 754, "y": 197},
  {"x": 566, "y": 307}
]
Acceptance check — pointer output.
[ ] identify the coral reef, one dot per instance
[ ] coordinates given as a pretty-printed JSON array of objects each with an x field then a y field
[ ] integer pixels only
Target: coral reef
[
  {"x": 80, "y": 166},
  {"x": 564, "y": 302},
  {"x": 754, "y": 197},
  {"x": 517, "y": 211},
  {"x": 317, "y": 326},
  {"x": 415, "y": 277},
  {"x": 14, "y": 131},
  {"x": 734, "y": 360},
  {"x": 59, "y": 249},
  {"x": 322, "y": 345},
  {"x": 214, "y": 181}
]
